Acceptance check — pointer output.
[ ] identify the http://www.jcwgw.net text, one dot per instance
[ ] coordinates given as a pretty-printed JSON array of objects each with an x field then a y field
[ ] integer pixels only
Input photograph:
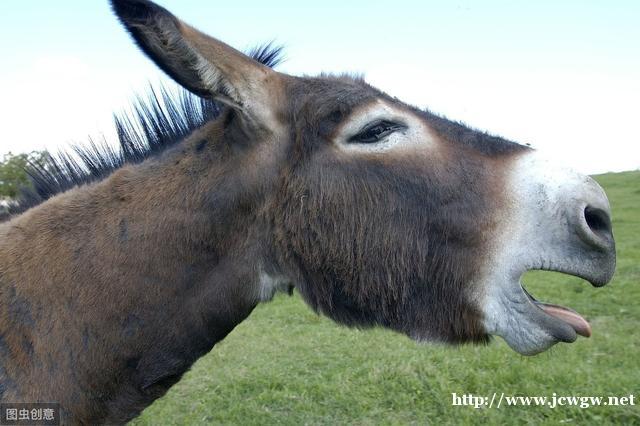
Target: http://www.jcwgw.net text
[{"x": 497, "y": 400}]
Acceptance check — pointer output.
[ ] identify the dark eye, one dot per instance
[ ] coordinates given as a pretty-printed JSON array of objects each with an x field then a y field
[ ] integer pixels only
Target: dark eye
[{"x": 376, "y": 131}]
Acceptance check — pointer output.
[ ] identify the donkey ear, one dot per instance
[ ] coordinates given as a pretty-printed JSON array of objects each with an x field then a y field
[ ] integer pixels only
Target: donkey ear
[{"x": 203, "y": 65}]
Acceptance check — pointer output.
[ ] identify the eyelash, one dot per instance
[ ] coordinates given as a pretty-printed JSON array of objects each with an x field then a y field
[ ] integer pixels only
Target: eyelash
[{"x": 376, "y": 131}]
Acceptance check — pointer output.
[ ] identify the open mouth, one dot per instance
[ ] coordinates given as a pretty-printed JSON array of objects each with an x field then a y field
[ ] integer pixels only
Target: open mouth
[
  {"x": 564, "y": 314},
  {"x": 528, "y": 325}
]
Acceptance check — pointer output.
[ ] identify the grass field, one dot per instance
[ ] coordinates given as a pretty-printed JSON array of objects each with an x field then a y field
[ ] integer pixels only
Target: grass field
[{"x": 286, "y": 365}]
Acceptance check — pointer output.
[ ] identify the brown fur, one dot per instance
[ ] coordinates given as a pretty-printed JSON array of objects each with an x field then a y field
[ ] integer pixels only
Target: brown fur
[{"x": 109, "y": 292}]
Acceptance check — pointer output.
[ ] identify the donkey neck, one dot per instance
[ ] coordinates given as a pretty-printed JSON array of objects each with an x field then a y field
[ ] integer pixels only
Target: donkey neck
[{"x": 149, "y": 268}]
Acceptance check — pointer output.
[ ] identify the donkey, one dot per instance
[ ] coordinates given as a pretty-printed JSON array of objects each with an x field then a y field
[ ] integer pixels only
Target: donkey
[{"x": 378, "y": 213}]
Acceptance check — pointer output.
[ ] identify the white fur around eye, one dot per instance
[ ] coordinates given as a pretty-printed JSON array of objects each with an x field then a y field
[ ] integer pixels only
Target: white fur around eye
[{"x": 415, "y": 133}]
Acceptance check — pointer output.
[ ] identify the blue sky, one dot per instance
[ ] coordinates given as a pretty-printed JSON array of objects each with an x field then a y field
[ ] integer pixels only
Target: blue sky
[{"x": 561, "y": 75}]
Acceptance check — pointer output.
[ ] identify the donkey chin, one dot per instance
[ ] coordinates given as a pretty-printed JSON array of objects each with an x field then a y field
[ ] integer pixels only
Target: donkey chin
[{"x": 556, "y": 220}]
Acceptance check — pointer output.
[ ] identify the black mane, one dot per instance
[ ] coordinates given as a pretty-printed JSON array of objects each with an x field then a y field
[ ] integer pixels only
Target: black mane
[{"x": 158, "y": 121}]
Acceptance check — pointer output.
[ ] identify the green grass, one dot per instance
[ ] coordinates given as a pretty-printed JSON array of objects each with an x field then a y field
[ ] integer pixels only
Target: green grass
[{"x": 286, "y": 365}]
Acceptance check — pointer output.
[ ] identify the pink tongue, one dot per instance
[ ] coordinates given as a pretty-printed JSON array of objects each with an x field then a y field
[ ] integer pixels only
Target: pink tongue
[{"x": 571, "y": 317}]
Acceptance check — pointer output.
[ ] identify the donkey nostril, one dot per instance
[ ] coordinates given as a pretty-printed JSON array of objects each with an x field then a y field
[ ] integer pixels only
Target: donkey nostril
[{"x": 598, "y": 221}]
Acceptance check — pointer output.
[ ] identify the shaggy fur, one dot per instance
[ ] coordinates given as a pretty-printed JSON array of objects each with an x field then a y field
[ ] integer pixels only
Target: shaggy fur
[{"x": 111, "y": 289}]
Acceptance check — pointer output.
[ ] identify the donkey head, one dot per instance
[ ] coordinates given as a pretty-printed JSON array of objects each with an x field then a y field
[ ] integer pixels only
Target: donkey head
[{"x": 384, "y": 214}]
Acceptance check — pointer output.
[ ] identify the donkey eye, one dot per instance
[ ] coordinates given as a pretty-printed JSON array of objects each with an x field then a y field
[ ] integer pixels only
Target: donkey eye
[{"x": 376, "y": 131}]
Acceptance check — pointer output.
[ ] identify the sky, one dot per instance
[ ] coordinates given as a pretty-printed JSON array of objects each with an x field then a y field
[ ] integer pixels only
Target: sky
[{"x": 563, "y": 76}]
